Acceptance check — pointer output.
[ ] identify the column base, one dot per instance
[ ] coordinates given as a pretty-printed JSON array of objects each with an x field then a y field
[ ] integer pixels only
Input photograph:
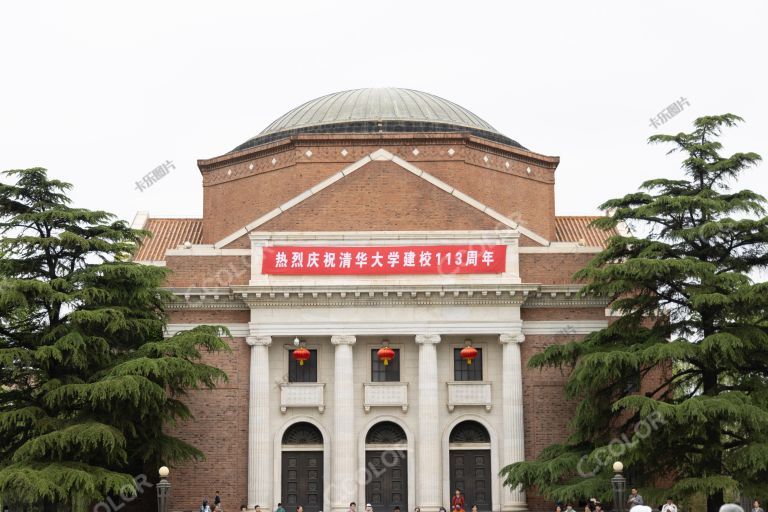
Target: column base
[{"x": 515, "y": 507}]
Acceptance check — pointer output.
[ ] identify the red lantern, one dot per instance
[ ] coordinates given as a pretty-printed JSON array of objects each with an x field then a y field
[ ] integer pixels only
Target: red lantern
[
  {"x": 301, "y": 354},
  {"x": 468, "y": 353},
  {"x": 385, "y": 354}
]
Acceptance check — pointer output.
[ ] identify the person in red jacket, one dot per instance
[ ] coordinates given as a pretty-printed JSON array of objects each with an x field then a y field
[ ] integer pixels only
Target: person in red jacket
[{"x": 457, "y": 502}]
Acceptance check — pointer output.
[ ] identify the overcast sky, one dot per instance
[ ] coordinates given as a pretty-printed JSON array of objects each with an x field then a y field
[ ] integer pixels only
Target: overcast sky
[{"x": 100, "y": 93}]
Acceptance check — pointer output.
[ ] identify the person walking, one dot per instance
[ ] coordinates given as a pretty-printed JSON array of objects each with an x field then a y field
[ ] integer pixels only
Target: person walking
[
  {"x": 756, "y": 507},
  {"x": 352, "y": 507},
  {"x": 216, "y": 500},
  {"x": 280, "y": 508}
]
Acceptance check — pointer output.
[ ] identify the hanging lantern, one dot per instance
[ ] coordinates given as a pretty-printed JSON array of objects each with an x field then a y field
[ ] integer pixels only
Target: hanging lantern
[
  {"x": 468, "y": 353},
  {"x": 301, "y": 354},
  {"x": 385, "y": 354}
]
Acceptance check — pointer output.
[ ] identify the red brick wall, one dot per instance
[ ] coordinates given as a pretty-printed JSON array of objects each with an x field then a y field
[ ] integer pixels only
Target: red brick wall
[
  {"x": 220, "y": 430},
  {"x": 208, "y": 271},
  {"x": 546, "y": 411},
  {"x": 248, "y": 184},
  {"x": 538, "y": 314},
  {"x": 552, "y": 268},
  {"x": 381, "y": 196}
]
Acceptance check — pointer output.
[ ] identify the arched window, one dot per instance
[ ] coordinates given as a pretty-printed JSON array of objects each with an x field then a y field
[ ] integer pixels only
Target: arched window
[
  {"x": 386, "y": 432},
  {"x": 469, "y": 432},
  {"x": 302, "y": 433}
]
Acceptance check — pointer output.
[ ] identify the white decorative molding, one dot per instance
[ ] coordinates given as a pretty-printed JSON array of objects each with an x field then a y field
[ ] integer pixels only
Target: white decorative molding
[
  {"x": 343, "y": 339},
  {"x": 259, "y": 340},
  {"x": 427, "y": 339},
  {"x": 140, "y": 220},
  {"x": 469, "y": 393},
  {"x": 302, "y": 394},
  {"x": 385, "y": 394},
  {"x": 376, "y": 328},
  {"x": 513, "y": 337}
]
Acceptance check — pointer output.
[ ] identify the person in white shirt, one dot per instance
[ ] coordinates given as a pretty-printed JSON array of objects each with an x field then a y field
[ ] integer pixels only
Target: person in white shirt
[{"x": 669, "y": 506}]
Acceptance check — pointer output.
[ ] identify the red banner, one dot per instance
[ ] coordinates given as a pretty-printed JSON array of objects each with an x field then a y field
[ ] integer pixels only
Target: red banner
[{"x": 426, "y": 259}]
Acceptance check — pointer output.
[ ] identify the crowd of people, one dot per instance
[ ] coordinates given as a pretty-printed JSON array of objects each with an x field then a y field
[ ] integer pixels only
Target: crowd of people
[{"x": 635, "y": 503}]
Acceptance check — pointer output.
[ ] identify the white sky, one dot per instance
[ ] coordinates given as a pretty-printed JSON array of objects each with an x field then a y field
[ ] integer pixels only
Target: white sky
[{"x": 100, "y": 93}]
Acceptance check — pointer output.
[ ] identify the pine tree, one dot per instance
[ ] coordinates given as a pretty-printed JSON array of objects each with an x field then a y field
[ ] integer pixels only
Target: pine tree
[
  {"x": 677, "y": 387},
  {"x": 87, "y": 381}
]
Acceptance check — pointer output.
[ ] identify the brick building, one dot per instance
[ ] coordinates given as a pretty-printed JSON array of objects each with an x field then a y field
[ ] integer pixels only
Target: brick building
[{"x": 362, "y": 220}]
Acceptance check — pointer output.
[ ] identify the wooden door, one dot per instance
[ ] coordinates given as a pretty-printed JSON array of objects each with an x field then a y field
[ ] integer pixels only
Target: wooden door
[
  {"x": 302, "y": 481},
  {"x": 386, "y": 479},
  {"x": 471, "y": 473}
]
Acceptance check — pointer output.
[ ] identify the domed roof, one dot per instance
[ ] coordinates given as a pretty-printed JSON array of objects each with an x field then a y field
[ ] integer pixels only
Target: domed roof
[{"x": 375, "y": 111}]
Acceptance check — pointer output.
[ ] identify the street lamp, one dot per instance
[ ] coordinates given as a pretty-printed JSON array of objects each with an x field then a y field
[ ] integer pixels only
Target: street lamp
[
  {"x": 163, "y": 490},
  {"x": 619, "y": 484}
]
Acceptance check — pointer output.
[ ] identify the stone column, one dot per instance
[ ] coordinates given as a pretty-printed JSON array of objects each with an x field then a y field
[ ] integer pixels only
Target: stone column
[
  {"x": 429, "y": 446},
  {"x": 513, "y": 434},
  {"x": 259, "y": 442},
  {"x": 344, "y": 446}
]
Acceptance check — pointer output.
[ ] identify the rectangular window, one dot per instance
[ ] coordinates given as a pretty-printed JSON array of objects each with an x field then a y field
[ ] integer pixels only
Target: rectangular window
[
  {"x": 306, "y": 372},
  {"x": 388, "y": 373},
  {"x": 464, "y": 371}
]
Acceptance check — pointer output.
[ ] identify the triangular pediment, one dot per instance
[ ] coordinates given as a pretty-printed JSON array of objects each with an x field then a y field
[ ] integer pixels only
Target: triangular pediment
[{"x": 380, "y": 192}]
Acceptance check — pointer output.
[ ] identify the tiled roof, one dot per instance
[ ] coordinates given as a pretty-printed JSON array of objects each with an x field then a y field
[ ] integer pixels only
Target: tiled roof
[
  {"x": 170, "y": 233},
  {"x": 167, "y": 234},
  {"x": 577, "y": 228}
]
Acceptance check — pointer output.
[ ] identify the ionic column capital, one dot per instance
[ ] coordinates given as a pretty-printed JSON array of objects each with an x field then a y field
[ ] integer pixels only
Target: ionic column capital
[
  {"x": 261, "y": 341},
  {"x": 512, "y": 337},
  {"x": 427, "y": 339},
  {"x": 345, "y": 339}
]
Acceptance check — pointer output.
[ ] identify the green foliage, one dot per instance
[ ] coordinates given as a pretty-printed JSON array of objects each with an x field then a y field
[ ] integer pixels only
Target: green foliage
[
  {"x": 87, "y": 381},
  {"x": 693, "y": 329}
]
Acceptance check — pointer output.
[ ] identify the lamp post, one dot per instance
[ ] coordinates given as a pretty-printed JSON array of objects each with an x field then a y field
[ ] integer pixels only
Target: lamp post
[
  {"x": 619, "y": 484},
  {"x": 163, "y": 490}
]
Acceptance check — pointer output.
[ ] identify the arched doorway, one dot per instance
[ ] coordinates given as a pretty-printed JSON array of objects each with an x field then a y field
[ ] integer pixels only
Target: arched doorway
[
  {"x": 302, "y": 467},
  {"x": 386, "y": 467},
  {"x": 469, "y": 451}
]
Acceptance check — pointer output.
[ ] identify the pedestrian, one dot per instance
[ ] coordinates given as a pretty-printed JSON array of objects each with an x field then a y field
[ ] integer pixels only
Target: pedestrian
[
  {"x": 217, "y": 499},
  {"x": 205, "y": 507},
  {"x": 558, "y": 508},
  {"x": 474, "y": 508},
  {"x": 417, "y": 509},
  {"x": 598, "y": 507},
  {"x": 731, "y": 507},
  {"x": 280, "y": 508},
  {"x": 569, "y": 507},
  {"x": 368, "y": 507},
  {"x": 457, "y": 502},
  {"x": 756, "y": 507},
  {"x": 352, "y": 507},
  {"x": 669, "y": 506},
  {"x": 299, "y": 508},
  {"x": 441, "y": 509},
  {"x": 396, "y": 509},
  {"x": 635, "y": 499}
]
